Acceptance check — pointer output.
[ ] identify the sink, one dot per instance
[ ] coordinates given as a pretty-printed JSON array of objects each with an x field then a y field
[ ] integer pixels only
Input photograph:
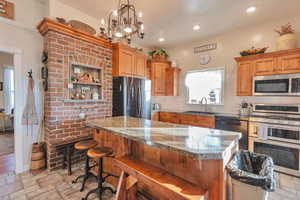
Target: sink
[{"x": 199, "y": 113}]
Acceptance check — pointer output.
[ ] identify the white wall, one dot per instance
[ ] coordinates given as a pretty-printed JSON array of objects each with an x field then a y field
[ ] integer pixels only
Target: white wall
[
  {"x": 20, "y": 36},
  {"x": 6, "y": 60},
  {"x": 229, "y": 46},
  {"x": 58, "y": 9}
]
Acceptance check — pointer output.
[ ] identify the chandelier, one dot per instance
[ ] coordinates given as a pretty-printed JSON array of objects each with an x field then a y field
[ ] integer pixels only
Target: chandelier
[{"x": 123, "y": 23}]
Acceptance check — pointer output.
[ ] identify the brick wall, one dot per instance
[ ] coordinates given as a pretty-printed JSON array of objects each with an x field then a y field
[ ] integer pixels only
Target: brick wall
[{"x": 62, "y": 120}]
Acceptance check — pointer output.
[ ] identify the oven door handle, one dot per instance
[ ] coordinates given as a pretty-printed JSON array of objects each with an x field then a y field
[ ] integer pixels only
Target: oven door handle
[
  {"x": 252, "y": 140},
  {"x": 282, "y": 127}
]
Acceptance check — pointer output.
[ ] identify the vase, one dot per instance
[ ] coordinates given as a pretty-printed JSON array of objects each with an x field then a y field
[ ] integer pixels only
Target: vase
[{"x": 287, "y": 41}]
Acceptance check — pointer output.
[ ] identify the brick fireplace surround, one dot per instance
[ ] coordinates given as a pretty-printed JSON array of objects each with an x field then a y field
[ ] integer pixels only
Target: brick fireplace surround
[{"x": 62, "y": 122}]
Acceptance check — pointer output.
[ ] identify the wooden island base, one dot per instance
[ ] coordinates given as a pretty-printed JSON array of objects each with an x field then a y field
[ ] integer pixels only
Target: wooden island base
[{"x": 207, "y": 175}]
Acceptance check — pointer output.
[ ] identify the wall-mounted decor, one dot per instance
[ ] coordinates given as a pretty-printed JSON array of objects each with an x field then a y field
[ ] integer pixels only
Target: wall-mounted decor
[
  {"x": 206, "y": 47},
  {"x": 44, "y": 71},
  {"x": 85, "y": 82},
  {"x": 204, "y": 59},
  {"x": 7, "y": 9}
]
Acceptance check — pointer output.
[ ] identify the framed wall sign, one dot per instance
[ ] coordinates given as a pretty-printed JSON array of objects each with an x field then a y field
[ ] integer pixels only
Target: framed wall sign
[
  {"x": 206, "y": 47},
  {"x": 7, "y": 9}
]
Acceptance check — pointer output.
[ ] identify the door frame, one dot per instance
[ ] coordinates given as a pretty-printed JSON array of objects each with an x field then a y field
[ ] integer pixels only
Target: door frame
[{"x": 19, "y": 138}]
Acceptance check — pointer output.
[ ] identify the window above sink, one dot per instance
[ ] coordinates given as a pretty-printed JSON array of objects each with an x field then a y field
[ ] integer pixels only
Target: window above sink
[{"x": 205, "y": 86}]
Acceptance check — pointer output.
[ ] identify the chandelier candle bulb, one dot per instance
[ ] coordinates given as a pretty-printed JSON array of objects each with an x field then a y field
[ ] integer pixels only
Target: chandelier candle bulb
[
  {"x": 115, "y": 13},
  {"x": 102, "y": 22},
  {"x": 127, "y": 29},
  {"x": 251, "y": 9},
  {"x": 140, "y": 14},
  {"x": 142, "y": 28}
]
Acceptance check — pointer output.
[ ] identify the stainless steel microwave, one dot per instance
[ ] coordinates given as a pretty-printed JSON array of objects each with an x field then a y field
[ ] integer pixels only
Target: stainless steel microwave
[{"x": 277, "y": 85}]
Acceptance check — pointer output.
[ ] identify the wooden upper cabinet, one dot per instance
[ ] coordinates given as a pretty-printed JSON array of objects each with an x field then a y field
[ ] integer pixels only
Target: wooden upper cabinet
[
  {"x": 158, "y": 77},
  {"x": 274, "y": 63},
  {"x": 165, "y": 79},
  {"x": 265, "y": 66},
  {"x": 244, "y": 78},
  {"x": 128, "y": 61},
  {"x": 140, "y": 67},
  {"x": 172, "y": 81},
  {"x": 290, "y": 63}
]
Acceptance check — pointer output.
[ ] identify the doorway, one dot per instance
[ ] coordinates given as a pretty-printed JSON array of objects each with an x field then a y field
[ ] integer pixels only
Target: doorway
[{"x": 7, "y": 107}]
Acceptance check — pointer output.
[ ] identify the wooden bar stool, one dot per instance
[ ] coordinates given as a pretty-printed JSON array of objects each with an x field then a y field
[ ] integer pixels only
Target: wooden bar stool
[
  {"x": 98, "y": 153},
  {"x": 85, "y": 146}
]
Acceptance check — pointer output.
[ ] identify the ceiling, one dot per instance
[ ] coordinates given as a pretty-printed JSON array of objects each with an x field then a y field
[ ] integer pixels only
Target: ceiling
[{"x": 174, "y": 19}]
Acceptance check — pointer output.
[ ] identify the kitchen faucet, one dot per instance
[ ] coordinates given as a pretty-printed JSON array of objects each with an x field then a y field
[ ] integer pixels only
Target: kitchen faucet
[{"x": 205, "y": 107}]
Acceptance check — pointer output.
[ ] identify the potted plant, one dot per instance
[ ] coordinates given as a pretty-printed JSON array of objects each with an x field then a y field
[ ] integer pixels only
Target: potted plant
[
  {"x": 287, "y": 39},
  {"x": 158, "y": 54}
]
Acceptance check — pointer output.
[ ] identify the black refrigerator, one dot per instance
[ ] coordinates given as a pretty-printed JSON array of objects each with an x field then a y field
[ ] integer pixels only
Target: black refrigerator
[{"x": 131, "y": 97}]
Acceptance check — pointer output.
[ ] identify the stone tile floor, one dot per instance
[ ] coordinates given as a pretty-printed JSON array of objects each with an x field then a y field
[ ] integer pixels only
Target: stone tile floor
[
  {"x": 288, "y": 188},
  {"x": 45, "y": 185},
  {"x": 57, "y": 186}
]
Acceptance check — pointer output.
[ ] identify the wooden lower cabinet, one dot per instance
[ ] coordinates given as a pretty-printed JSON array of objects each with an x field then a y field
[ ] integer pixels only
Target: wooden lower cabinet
[
  {"x": 205, "y": 121},
  {"x": 155, "y": 116},
  {"x": 169, "y": 117},
  {"x": 198, "y": 120}
]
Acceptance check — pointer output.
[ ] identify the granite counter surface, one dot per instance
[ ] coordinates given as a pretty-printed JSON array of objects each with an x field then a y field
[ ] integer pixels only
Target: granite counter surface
[{"x": 200, "y": 143}]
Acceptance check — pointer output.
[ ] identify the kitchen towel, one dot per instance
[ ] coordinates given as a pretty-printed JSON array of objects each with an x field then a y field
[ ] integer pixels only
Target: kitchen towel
[{"x": 263, "y": 132}]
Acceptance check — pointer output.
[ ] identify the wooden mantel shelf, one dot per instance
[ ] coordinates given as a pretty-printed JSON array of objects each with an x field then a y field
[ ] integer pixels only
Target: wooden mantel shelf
[{"x": 49, "y": 24}]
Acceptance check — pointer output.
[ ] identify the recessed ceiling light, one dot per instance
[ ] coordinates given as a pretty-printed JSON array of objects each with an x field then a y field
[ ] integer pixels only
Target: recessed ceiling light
[
  {"x": 251, "y": 9},
  {"x": 161, "y": 39},
  {"x": 196, "y": 27}
]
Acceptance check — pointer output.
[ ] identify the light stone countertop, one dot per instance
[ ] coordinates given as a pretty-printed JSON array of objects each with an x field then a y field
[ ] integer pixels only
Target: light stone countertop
[{"x": 200, "y": 143}]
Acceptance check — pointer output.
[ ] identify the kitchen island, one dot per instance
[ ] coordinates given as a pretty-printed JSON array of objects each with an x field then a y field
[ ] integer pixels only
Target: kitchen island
[{"x": 196, "y": 155}]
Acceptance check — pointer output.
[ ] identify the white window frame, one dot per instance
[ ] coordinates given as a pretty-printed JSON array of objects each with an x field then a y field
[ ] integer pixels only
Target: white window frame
[
  {"x": 11, "y": 91},
  {"x": 205, "y": 70}
]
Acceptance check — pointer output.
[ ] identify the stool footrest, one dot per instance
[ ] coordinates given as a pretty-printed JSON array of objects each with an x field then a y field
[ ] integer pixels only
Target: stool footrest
[{"x": 161, "y": 180}]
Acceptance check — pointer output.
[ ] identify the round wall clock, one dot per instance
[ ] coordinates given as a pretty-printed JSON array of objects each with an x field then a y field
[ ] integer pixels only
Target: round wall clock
[{"x": 205, "y": 59}]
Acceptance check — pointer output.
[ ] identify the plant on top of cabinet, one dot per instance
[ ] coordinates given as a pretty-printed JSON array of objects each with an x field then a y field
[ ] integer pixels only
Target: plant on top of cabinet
[
  {"x": 158, "y": 54},
  {"x": 287, "y": 39},
  {"x": 253, "y": 51}
]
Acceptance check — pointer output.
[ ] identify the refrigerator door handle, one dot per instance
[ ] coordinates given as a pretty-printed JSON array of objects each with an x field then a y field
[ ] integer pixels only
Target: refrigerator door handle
[{"x": 132, "y": 92}]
